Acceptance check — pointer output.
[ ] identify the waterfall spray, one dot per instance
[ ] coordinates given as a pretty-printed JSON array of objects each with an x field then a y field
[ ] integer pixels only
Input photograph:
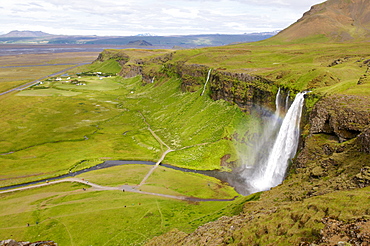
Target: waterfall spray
[{"x": 269, "y": 169}]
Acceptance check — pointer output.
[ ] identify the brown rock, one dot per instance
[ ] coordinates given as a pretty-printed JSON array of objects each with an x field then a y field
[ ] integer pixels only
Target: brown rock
[
  {"x": 363, "y": 141},
  {"x": 344, "y": 117}
]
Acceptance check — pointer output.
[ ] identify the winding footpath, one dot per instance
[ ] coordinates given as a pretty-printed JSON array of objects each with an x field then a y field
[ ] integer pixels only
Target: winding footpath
[{"x": 161, "y": 142}]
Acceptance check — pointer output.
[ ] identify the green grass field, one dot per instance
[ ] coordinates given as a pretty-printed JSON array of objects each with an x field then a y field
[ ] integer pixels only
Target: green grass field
[{"x": 67, "y": 214}]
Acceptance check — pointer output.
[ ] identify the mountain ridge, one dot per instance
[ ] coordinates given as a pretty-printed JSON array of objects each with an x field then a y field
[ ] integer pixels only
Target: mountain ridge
[
  {"x": 24, "y": 34},
  {"x": 333, "y": 20},
  {"x": 169, "y": 41}
]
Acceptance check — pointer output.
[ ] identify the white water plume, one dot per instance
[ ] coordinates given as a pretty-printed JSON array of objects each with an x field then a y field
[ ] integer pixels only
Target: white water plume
[
  {"x": 287, "y": 102},
  {"x": 205, "y": 84},
  {"x": 277, "y": 146}
]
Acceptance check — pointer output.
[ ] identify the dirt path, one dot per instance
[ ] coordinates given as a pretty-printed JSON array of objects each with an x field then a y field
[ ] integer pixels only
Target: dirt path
[
  {"x": 124, "y": 188},
  {"x": 155, "y": 166},
  {"x": 162, "y": 143}
]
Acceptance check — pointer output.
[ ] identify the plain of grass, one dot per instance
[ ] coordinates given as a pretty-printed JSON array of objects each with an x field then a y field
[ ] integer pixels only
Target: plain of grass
[
  {"x": 69, "y": 215},
  {"x": 189, "y": 184}
]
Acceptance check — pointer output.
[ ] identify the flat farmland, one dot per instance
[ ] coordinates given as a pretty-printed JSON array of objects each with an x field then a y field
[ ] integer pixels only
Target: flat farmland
[{"x": 16, "y": 70}]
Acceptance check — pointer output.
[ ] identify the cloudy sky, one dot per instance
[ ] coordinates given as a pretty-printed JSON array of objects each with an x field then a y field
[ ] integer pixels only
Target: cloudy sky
[{"x": 157, "y": 17}]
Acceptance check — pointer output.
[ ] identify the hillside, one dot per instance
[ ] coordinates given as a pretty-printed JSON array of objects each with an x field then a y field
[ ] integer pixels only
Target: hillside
[
  {"x": 25, "y": 34},
  {"x": 333, "y": 20}
]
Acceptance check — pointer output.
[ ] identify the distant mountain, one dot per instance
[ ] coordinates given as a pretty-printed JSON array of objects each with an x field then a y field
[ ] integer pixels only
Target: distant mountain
[
  {"x": 25, "y": 34},
  {"x": 185, "y": 41},
  {"x": 333, "y": 20},
  {"x": 139, "y": 43}
]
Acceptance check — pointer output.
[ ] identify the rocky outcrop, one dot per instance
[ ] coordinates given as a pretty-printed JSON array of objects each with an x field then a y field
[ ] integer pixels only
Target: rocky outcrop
[
  {"x": 131, "y": 70},
  {"x": 343, "y": 117},
  {"x": 118, "y": 55},
  {"x": 11, "y": 242},
  {"x": 334, "y": 153},
  {"x": 363, "y": 178},
  {"x": 339, "y": 233},
  {"x": 363, "y": 141}
]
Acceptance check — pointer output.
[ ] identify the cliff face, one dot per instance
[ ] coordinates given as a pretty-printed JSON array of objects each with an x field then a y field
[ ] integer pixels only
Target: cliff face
[
  {"x": 243, "y": 89},
  {"x": 343, "y": 117},
  {"x": 117, "y": 55}
]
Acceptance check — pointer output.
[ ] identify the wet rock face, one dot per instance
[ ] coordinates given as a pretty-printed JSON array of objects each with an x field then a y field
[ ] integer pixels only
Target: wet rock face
[{"x": 344, "y": 117}]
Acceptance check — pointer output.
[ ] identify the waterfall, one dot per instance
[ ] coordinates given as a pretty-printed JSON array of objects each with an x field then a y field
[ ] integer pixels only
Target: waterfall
[
  {"x": 268, "y": 170},
  {"x": 287, "y": 102},
  {"x": 205, "y": 85},
  {"x": 277, "y": 110}
]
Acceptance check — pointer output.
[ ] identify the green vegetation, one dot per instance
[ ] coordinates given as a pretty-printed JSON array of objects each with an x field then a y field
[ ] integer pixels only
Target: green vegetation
[{"x": 69, "y": 215}]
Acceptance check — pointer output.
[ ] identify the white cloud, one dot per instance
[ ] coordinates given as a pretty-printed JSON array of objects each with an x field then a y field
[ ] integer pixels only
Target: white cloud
[{"x": 161, "y": 17}]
